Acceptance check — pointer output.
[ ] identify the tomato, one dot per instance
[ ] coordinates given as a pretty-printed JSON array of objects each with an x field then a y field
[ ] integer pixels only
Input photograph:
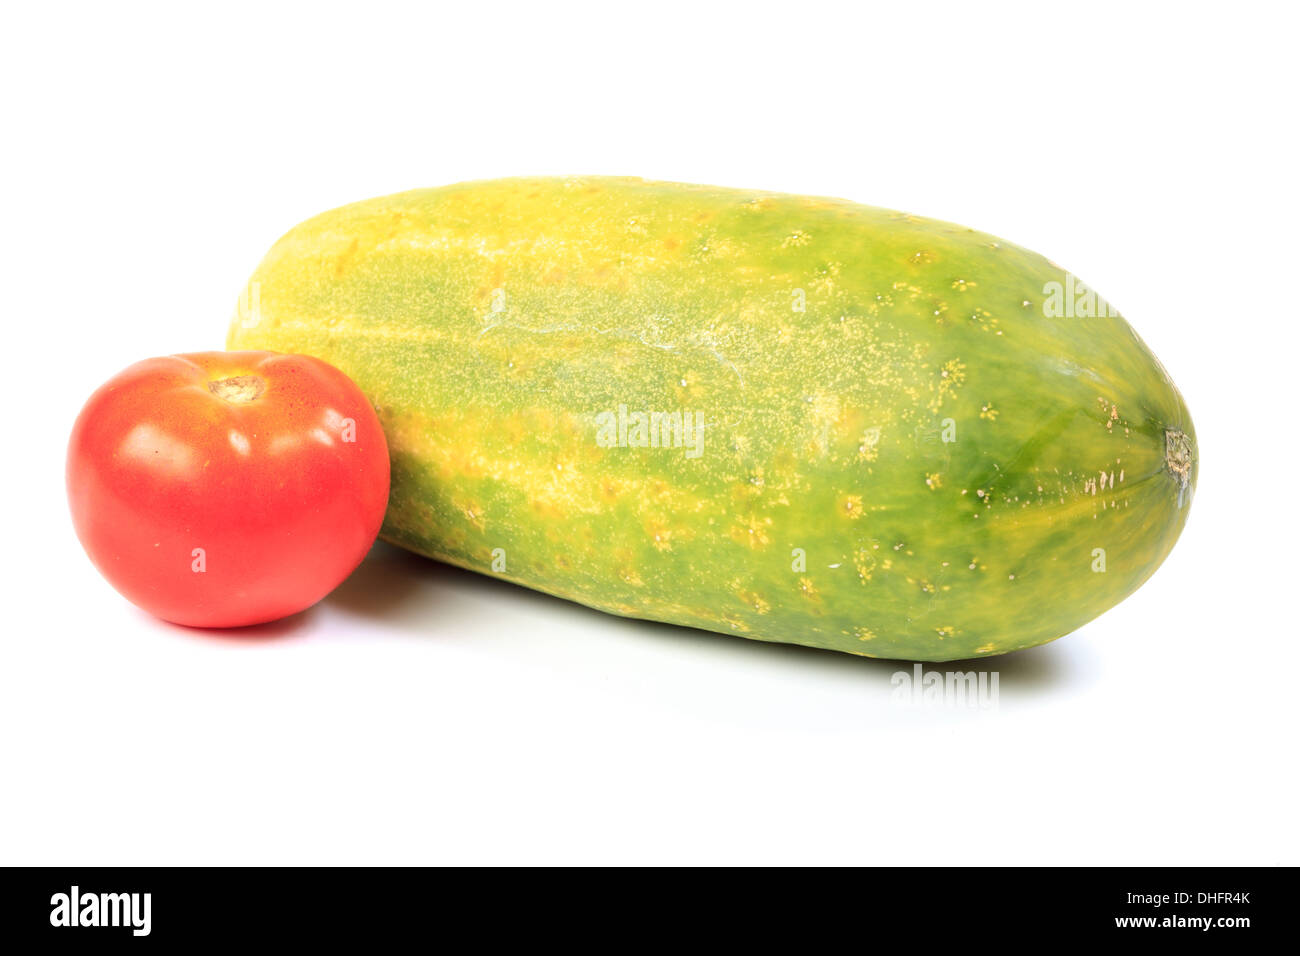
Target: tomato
[{"x": 220, "y": 489}]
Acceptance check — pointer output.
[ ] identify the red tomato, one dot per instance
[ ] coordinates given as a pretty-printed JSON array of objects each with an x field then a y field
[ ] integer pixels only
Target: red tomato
[{"x": 227, "y": 488}]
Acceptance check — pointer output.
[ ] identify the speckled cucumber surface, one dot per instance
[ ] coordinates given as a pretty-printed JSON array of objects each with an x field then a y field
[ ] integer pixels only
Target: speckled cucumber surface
[{"x": 785, "y": 418}]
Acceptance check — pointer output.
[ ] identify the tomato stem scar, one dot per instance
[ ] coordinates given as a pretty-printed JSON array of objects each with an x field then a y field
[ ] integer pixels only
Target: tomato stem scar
[{"x": 238, "y": 389}]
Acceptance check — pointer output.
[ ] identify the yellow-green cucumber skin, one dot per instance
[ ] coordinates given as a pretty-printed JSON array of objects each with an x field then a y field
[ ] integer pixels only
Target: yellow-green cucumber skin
[{"x": 920, "y": 442}]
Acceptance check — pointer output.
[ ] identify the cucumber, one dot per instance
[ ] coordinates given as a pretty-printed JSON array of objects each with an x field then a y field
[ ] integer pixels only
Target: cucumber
[{"x": 787, "y": 418}]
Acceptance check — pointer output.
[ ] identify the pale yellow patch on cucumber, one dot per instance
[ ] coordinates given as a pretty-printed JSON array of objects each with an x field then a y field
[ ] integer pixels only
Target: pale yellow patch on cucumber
[
  {"x": 473, "y": 512},
  {"x": 864, "y": 562},
  {"x": 660, "y": 534},
  {"x": 752, "y": 533},
  {"x": 951, "y": 376},
  {"x": 754, "y": 600}
]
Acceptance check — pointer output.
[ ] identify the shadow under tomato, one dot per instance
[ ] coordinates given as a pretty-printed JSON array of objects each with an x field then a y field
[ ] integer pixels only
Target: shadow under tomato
[
  {"x": 419, "y": 595},
  {"x": 374, "y": 589},
  {"x": 295, "y": 625},
  {"x": 390, "y": 584}
]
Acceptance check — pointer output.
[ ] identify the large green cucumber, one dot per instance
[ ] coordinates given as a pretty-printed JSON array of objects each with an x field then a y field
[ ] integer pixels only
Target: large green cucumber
[{"x": 916, "y": 441}]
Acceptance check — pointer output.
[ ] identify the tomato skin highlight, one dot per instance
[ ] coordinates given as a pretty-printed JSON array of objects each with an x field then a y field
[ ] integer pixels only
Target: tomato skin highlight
[{"x": 222, "y": 489}]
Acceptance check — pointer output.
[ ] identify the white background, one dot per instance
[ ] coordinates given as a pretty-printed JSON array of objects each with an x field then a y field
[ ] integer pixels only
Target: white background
[{"x": 421, "y": 714}]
